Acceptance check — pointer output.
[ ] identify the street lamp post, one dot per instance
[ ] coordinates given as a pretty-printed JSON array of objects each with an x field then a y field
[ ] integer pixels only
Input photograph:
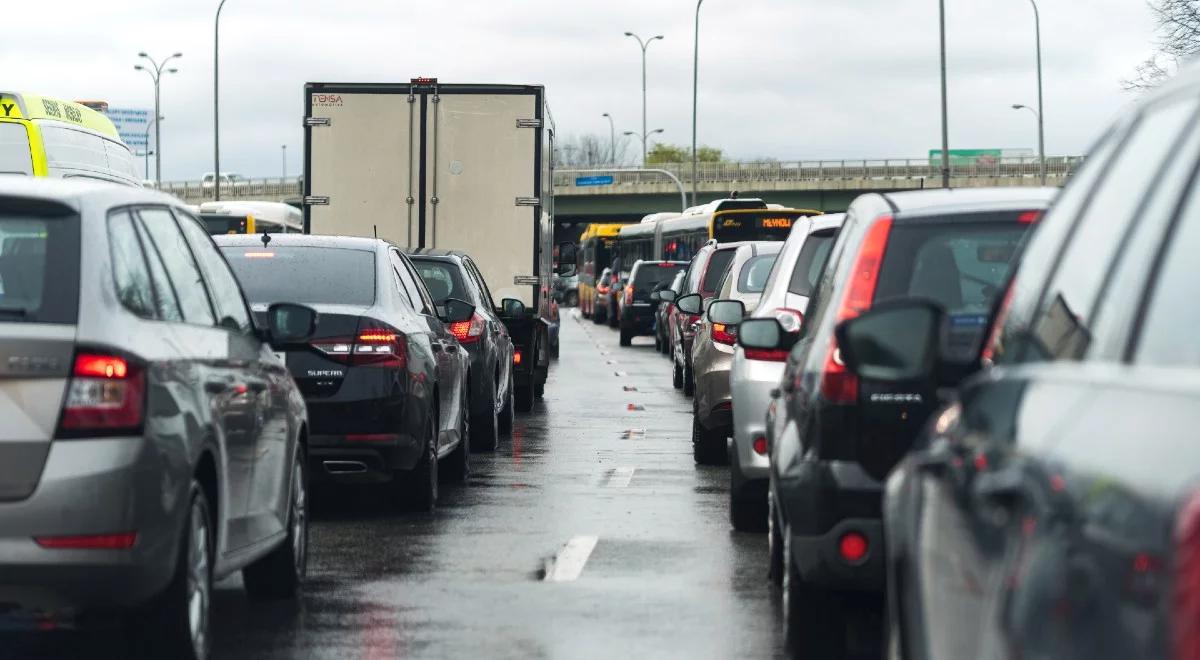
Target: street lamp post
[
  {"x": 695, "y": 94},
  {"x": 155, "y": 70},
  {"x": 644, "y": 44},
  {"x": 645, "y": 137},
  {"x": 1041, "y": 154},
  {"x": 945, "y": 120},
  {"x": 217, "y": 104},
  {"x": 1037, "y": 28},
  {"x": 612, "y": 140},
  {"x": 147, "y": 152},
  {"x": 284, "y": 161}
]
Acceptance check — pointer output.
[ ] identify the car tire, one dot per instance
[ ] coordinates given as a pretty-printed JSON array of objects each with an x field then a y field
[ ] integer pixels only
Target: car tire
[
  {"x": 676, "y": 375},
  {"x": 774, "y": 543},
  {"x": 485, "y": 428},
  {"x": 747, "y": 513},
  {"x": 539, "y": 389},
  {"x": 176, "y": 623},
  {"x": 614, "y": 319},
  {"x": 812, "y": 616},
  {"x": 707, "y": 447},
  {"x": 597, "y": 317},
  {"x": 280, "y": 574},
  {"x": 525, "y": 396},
  {"x": 506, "y": 413},
  {"x": 689, "y": 380},
  {"x": 418, "y": 488},
  {"x": 458, "y": 463},
  {"x": 626, "y": 338}
]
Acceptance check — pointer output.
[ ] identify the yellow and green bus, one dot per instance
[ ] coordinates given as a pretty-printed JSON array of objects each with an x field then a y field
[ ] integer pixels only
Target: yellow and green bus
[
  {"x": 595, "y": 254},
  {"x": 43, "y": 136}
]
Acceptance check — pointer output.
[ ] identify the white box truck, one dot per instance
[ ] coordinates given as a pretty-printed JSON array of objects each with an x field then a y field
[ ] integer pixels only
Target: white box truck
[{"x": 445, "y": 166}]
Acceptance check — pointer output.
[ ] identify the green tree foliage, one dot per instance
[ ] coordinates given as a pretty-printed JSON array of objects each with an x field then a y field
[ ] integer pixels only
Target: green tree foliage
[{"x": 669, "y": 153}]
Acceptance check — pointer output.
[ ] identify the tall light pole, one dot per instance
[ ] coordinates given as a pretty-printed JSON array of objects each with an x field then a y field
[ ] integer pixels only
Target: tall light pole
[
  {"x": 945, "y": 120},
  {"x": 695, "y": 94},
  {"x": 147, "y": 152},
  {"x": 645, "y": 137},
  {"x": 612, "y": 139},
  {"x": 156, "y": 70},
  {"x": 1037, "y": 29},
  {"x": 217, "y": 104},
  {"x": 284, "y": 161},
  {"x": 1041, "y": 154},
  {"x": 644, "y": 44}
]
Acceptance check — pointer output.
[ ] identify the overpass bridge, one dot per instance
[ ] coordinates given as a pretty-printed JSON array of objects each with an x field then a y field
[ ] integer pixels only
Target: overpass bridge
[{"x": 826, "y": 185}]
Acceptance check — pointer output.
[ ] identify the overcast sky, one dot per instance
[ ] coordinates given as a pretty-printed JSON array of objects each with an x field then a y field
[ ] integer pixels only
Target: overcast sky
[{"x": 788, "y": 79}]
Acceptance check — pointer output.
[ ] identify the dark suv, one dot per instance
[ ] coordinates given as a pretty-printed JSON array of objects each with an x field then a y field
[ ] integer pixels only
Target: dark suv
[
  {"x": 832, "y": 435},
  {"x": 637, "y": 309}
]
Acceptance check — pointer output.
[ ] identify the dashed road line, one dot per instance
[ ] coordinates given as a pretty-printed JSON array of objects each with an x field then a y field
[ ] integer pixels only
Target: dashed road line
[
  {"x": 620, "y": 374},
  {"x": 567, "y": 565},
  {"x": 621, "y": 477}
]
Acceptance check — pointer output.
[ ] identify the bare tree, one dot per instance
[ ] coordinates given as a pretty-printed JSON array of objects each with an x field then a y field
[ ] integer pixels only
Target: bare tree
[
  {"x": 592, "y": 151},
  {"x": 1178, "y": 40}
]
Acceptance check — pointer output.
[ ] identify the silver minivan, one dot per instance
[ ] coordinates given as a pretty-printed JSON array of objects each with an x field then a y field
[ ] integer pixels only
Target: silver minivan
[{"x": 151, "y": 441}]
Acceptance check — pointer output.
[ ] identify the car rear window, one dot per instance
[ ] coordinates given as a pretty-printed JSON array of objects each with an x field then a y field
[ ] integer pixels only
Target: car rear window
[
  {"x": 717, "y": 265},
  {"x": 811, "y": 262},
  {"x": 443, "y": 280},
  {"x": 304, "y": 274},
  {"x": 39, "y": 267},
  {"x": 753, "y": 278},
  {"x": 650, "y": 275}
]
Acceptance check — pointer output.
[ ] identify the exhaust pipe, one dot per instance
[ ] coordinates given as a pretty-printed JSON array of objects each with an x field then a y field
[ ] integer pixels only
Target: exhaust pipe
[{"x": 345, "y": 467}]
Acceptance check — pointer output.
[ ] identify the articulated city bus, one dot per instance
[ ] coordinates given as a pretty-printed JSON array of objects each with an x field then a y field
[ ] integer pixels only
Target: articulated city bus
[
  {"x": 251, "y": 218},
  {"x": 676, "y": 237},
  {"x": 595, "y": 254},
  {"x": 42, "y": 136}
]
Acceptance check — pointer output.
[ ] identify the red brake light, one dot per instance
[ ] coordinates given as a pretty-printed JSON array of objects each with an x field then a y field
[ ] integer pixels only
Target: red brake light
[
  {"x": 517, "y": 356},
  {"x": 853, "y": 547},
  {"x": 106, "y": 395},
  {"x": 91, "y": 542},
  {"x": 1029, "y": 217},
  {"x": 766, "y": 354},
  {"x": 665, "y": 264},
  {"x": 468, "y": 332},
  {"x": 838, "y": 385},
  {"x": 760, "y": 446},
  {"x": 1185, "y": 608},
  {"x": 629, "y": 295},
  {"x": 724, "y": 334},
  {"x": 374, "y": 347}
]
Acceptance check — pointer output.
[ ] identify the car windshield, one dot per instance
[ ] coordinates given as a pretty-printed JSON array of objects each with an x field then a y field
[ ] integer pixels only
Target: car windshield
[
  {"x": 442, "y": 279},
  {"x": 303, "y": 274},
  {"x": 754, "y": 274}
]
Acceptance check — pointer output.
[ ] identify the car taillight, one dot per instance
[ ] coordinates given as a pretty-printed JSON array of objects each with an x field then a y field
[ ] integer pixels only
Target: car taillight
[
  {"x": 89, "y": 542},
  {"x": 1185, "y": 609},
  {"x": 629, "y": 295},
  {"x": 470, "y": 331},
  {"x": 838, "y": 385},
  {"x": 790, "y": 319},
  {"x": 760, "y": 445},
  {"x": 517, "y": 357},
  {"x": 766, "y": 354},
  {"x": 724, "y": 334},
  {"x": 602, "y": 289},
  {"x": 1029, "y": 217},
  {"x": 106, "y": 395},
  {"x": 374, "y": 347},
  {"x": 853, "y": 547}
]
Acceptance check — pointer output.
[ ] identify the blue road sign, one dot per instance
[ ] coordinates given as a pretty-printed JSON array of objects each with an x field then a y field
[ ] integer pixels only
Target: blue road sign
[
  {"x": 132, "y": 125},
  {"x": 593, "y": 180}
]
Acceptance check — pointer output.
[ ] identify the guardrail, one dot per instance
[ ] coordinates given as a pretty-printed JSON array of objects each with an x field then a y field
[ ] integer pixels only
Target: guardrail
[{"x": 1057, "y": 168}]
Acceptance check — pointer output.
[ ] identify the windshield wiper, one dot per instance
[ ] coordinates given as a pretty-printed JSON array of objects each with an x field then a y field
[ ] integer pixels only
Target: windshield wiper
[{"x": 14, "y": 311}]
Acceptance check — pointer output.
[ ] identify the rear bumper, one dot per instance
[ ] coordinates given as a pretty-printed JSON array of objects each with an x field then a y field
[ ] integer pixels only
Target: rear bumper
[
  {"x": 713, "y": 400},
  {"x": 335, "y": 459},
  {"x": 92, "y": 487},
  {"x": 638, "y": 319},
  {"x": 750, "y": 385}
]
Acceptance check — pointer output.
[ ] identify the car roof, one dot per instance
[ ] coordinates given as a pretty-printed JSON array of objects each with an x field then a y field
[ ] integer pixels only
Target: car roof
[
  {"x": 76, "y": 192},
  {"x": 436, "y": 253},
  {"x": 959, "y": 200},
  {"x": 303, "y": 240}
]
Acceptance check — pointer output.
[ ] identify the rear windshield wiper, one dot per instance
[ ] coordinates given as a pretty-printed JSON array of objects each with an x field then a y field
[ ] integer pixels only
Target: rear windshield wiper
[{"x": 14, "y": 311}]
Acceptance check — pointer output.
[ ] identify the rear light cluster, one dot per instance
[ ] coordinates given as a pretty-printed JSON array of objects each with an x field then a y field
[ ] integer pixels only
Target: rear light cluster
[
  {"x": 517, "y": 357},
  {"x": 1185, "y": 610},
  {"x": 760, "y": 446},
  {"x": 374, "y": 347},
  {"x": 629, "y": 295},
  {"x": 469, "y": 332},
  {"x": 602, "y": 289},
  {"x": 838, "y": 385},
  {"x": 106, "y": 394},
  {"x": 791, "y": 321},
  {"x": 90, "y": 542},
  {"x": 724, "y": 334},
  {"x": 853, "y": 547}
]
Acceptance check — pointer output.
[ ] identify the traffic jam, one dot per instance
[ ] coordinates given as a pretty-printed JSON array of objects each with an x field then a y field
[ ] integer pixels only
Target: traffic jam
[{"x": 944, "y": 423}]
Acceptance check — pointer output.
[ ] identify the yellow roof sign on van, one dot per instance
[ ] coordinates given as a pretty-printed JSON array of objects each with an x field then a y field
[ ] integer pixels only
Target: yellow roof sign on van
[{"x": 33, "y": 106}]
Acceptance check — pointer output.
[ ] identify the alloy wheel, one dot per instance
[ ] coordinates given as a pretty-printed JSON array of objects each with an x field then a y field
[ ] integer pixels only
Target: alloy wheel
[{"x": 199, "y": 579}]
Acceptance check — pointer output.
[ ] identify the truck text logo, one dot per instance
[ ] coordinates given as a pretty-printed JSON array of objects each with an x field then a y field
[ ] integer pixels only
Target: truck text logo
[{"x": 327, "y": 100}]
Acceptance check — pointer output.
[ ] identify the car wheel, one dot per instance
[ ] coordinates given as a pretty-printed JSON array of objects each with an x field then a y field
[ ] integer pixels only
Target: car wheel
[
  {"x": 626, "y": 337},
  {"x": 281, "y": 573},
  {"x": 418, "y": 488},
  {"x": 506, "y": 413},
  {"x": 689, "y": 380},
  {"x": 774, "y": 543},
  {"x": 597, "y": 317},
  {"x": 176, "y": 623},
  {"x": 708, "y": 448},
  {"x": 812, "y": 616},
  {"x": 485, "y": 428},
  {"x": 458, "y": 463},
  {"x": 539, "y": 389},
  {"x": 676, "y": 375},
  {"x": 525, "y": 395},
  {"x": 747, "y": 512}
]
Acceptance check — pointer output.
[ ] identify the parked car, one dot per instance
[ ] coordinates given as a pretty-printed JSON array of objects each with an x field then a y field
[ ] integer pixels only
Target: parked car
[
  {"x": 384, "y": 378},
  {"x": 450, "y": 274},
  {"x": 1065, "y": 482},
  {"x": 664, "y": 297},
  {"x": 603, "y": 291},
  {"x": 832, "y": 436},
  {"x": 712, "y": 348},
  {"x": 151, "y": 442},
  {"x": 566, "y": 290},
  {"x": 753, "y": 374},
  {"x": 637, "y": 309},
  {"x": 705, "y": 271}
]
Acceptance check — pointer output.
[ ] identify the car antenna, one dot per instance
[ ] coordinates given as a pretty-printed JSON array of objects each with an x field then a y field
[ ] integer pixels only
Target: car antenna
[
  {"x": 266, "y": 238},
  {"x": 375, "y": 228}
]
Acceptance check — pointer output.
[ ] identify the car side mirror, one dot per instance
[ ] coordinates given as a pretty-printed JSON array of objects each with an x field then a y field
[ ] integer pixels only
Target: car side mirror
[
  {"x": 690, "y": 304},
  {"x": 656, "y": 296},
  {"x": 289, "y": 324},
  {"x": 893, "y": 342},
  {"x": 512, "y": 307},
  {"x": 764, "y": 334},
  {"x": 667, "y": 295},
  {"x": 453, "y": 310},
  {"x": 727, "y": 312},
  {"x": 566, "y": 260}
]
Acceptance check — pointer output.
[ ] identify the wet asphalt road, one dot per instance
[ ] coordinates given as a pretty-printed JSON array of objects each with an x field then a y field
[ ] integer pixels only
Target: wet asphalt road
[{"x": 606, "y": 456}]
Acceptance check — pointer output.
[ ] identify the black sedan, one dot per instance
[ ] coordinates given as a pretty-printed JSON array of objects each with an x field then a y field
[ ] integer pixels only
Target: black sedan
[
  {"x": 384, "y": 378},
  {"x": 450, "y": 274}
]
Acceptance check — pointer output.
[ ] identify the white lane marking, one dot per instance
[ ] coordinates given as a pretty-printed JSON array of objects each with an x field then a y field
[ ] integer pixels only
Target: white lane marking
[
  {"x": 570, "y": 560},
  {"x": 620, "y": 374},
  {"x": 621, "y": 477}
]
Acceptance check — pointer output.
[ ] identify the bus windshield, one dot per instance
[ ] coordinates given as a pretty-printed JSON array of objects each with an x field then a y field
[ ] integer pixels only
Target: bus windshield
[{"x": 766, "y": 225}]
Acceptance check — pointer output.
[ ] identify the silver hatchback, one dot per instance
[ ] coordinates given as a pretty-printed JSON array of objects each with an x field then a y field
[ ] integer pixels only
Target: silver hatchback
[{"x": 151, "y": 442}]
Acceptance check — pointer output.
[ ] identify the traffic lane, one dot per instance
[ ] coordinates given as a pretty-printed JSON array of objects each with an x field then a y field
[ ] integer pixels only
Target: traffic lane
[{"x": 665, "y": 577}]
